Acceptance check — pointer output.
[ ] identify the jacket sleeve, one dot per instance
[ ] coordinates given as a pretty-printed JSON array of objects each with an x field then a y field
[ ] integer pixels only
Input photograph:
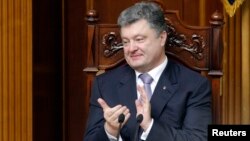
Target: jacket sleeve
[{"x": 95, "y": 125}]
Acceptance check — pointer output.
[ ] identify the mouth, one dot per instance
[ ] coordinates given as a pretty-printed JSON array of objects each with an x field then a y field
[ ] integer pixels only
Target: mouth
[{"x": 135, "y": 56}]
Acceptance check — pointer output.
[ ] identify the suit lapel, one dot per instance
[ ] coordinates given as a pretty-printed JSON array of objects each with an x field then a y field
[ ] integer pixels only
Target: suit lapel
[{"x": 165, "y": 88}]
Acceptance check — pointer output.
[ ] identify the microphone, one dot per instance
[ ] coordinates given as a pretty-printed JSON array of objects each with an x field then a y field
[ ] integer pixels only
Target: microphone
[
  {"x": 139, "y": 119},
  {"x": 120, "y": 120}
]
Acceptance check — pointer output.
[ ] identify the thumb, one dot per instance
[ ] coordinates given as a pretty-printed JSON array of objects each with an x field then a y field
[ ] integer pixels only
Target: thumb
[
  {"x": 102, "y": 103},
  {"x": 139, "y": 108}
]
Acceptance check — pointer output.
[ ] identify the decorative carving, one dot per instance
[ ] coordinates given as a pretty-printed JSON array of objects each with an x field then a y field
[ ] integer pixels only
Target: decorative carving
[
  {"x": 111, "y": 43},
  {"x": 195, "y": 45},
  {"x": 92, "y": 16}
]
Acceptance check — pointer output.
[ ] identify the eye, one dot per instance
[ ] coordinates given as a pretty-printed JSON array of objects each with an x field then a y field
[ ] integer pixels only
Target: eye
[
  {"x": 125, "y": 43},
  {"x": 139, "y": 40}
]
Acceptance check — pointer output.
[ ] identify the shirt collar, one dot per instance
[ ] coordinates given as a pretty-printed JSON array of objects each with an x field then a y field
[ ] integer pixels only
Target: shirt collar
[{"x": 157, "y": 71}]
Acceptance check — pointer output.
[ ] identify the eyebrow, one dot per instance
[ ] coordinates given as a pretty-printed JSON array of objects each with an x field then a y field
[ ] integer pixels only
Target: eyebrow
[{"x": 137, "y": 35}]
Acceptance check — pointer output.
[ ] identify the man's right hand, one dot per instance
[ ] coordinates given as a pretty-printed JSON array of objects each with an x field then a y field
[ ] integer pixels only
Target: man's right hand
[{"x": 111, "y": 115}]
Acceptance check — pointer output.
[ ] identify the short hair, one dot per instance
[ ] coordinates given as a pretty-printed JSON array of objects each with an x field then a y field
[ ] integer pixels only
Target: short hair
[{"x": 149, "y": 11}]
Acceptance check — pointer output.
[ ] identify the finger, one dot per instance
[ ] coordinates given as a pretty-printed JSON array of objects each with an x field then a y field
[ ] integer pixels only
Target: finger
[
  {"x": 114, "y": 118},
  {"x": 111, "y": 114},
  {"x": 143, "y": 95},
  {"x": 139, "y": 107},
  {"x": 102, "y": 103},
  {"x": 117, "y": 111},
  {"x": 126, "y": 112},
  {"x": 127, "y": 116}
]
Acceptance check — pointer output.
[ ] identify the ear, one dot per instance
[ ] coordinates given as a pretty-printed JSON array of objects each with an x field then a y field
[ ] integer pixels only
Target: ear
[{"x": 163, "y": 37}]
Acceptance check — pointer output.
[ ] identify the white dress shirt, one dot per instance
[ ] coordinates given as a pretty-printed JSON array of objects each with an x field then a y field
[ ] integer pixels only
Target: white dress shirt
[{"x": 155, "y": 74}]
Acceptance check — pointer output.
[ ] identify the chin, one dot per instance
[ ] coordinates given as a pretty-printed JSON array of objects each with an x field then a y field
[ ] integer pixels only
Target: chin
[
  {"x": 136, "y": 63},
  {"x": 137, "y": 67}
]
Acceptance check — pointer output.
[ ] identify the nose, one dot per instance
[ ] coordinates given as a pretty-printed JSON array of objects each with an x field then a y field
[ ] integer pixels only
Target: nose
[{"x": 132, "y": 46}]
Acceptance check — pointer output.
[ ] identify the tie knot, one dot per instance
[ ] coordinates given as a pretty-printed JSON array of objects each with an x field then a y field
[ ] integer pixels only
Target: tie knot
[{"x": 146, "y": 78}]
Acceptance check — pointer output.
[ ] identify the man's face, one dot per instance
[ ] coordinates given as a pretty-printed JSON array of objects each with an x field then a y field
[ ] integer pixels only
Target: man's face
[{"x": 143, "y": 48}]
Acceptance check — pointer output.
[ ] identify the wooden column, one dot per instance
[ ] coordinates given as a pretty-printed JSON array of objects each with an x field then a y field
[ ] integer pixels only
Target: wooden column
[
  {"x": 245, "y": 107},
  {"x": 232, "y": 70},
  {"x": 215, "y": 72},
  {"x": 16, "y": 70}
]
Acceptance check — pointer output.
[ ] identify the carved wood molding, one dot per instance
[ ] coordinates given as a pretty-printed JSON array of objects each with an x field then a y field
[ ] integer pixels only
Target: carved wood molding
[
  {"x": 111, "y": 42},
  {"x": 195, "y": 45}
]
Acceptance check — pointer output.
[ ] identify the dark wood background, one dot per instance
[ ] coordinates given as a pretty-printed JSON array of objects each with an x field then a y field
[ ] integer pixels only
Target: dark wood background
[{"x": 59, "y": 57}]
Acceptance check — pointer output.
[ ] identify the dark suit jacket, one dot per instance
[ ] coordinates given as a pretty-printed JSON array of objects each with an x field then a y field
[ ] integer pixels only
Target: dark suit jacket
[{"x": 180, "y": 105}]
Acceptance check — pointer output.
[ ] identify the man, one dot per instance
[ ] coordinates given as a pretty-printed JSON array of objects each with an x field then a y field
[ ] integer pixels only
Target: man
[{"x": 178, "y": 108}]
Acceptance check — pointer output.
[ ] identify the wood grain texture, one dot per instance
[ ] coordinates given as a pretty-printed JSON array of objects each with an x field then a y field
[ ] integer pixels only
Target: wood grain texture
[
  {"x": 16, "y": 70},
  {"x": 245, "y": 73}
]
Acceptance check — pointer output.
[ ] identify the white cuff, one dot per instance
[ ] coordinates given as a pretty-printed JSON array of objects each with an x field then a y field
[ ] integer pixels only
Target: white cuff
[
  {"x": 145, "y": 133},
  {"x": 112, "y": 138}
]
